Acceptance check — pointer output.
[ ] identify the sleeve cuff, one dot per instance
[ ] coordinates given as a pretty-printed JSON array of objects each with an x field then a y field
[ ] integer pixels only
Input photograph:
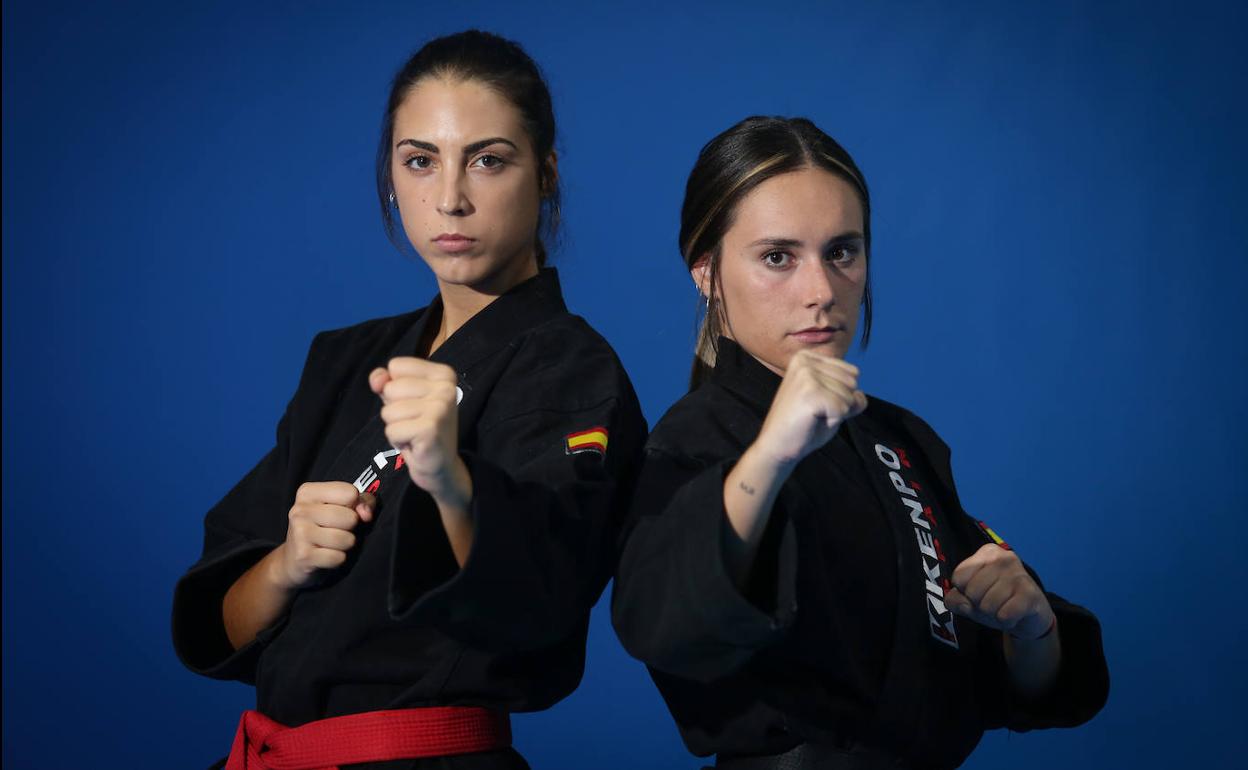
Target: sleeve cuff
[
  {"x": 199, "y": 636},
  {"x": 1082, "y": 684},
  {"x": 767, "y": 607},
  {"x": 499, "y": 564}
]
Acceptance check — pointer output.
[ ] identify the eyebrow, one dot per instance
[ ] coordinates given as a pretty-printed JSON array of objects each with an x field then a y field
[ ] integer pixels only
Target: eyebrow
[
  {"x": 468, "y": 148},
  {"x": 784, "y": 243}
]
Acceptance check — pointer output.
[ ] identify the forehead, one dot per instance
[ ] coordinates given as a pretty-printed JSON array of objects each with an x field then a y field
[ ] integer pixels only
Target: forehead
[
  {"x": 807, "y": 204},
  {"x": 456, "y": 112}
]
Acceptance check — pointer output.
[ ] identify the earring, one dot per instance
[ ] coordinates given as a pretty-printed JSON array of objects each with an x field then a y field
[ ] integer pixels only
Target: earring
[{"x": 392, "y": 197}]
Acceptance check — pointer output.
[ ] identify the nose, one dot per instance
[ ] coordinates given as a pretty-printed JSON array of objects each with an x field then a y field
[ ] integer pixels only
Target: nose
[
  {"x": 452, "y": 198},
  {"x": 818, "y": 288}
]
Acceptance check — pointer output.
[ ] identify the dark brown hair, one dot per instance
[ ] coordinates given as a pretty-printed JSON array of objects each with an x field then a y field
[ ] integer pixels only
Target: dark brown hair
[
  {"x": 728, "y": 168},
  {"x": 501, "y": 65}
]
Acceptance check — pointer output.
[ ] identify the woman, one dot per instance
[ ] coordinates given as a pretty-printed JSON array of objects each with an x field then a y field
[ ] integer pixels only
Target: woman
[
  {"x": 799, "y": 574},
  {"x": 418, "y": 554}
]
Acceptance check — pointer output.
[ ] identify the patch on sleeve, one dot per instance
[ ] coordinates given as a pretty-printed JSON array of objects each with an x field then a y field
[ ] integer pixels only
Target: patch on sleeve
[
  {"x": 993, "y": 536},
  {"x": 592, "y": 440}
]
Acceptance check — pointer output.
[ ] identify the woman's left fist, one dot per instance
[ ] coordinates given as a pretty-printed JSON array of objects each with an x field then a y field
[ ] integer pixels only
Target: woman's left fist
[
  {"x": 993, "y": 589},
  {"x": 422, "y": 422}
]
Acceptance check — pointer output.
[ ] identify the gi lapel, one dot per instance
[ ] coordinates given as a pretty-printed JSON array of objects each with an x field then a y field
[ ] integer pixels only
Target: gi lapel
[
  {"x": 915, "y": 516},
  {"x": 924, "y": 626}
]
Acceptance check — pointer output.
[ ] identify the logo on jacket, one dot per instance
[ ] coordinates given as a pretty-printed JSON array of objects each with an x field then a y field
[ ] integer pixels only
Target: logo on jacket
[
  {"x": 591, "y": 440},
  {"x": 939, "y": 617},
  {"x": 369, "y": 479}
]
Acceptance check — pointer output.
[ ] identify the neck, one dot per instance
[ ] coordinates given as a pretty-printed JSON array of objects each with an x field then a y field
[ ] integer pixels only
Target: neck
[{"x": 460, "y": 302}]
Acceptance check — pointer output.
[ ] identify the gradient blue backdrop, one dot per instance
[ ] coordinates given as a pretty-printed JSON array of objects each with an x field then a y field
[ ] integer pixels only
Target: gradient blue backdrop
[{"x": 1059, "y": 267}]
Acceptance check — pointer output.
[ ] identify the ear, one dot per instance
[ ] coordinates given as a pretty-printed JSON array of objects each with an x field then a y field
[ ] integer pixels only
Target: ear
[
  {"x": 550, "y": 180},
  {"x": 701, "y": 274}
]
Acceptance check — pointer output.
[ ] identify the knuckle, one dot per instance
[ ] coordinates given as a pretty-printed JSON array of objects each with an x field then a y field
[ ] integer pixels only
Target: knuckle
[{"x": 343, "y": 493}]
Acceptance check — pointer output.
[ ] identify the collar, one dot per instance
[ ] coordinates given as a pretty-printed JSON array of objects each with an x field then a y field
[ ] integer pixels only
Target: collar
[
  {"x": 522, "y": 307},
  {"x": 745, "y": 375}
]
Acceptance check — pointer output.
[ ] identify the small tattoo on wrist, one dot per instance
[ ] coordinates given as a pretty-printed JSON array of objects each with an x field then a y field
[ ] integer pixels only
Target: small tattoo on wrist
[{"x": 749, "y": 490}]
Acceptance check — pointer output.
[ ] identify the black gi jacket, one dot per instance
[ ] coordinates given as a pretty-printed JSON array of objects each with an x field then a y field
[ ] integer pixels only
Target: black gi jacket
[
  {"x": 840, "y": 637},
  {"x": 400, "y": 625}
]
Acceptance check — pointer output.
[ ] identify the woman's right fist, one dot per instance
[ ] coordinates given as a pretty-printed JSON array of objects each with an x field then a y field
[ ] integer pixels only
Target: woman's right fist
[
  {"x": 320, "y": 530},
  {"x": 818, "y": 393}
]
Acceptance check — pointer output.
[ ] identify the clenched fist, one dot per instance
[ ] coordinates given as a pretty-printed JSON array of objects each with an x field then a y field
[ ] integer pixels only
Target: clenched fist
[
  {"x": 818, "y": 393},
  {"x": 993, "y": 589},
  {"x": 422, "y": 422},
  {"x": 319, "y": 534}
]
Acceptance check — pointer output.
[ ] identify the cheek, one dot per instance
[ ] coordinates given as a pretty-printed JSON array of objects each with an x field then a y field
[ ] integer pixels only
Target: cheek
[
  {"x": 512, "y": 207},
  {"x": 412, "y": 198},
  {"x": 855, "y": 284},
  {"x": 753, "y": 299}
]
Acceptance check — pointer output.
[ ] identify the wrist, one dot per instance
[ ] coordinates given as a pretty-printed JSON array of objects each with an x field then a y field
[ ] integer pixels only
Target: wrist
[
  {"x": 1049, "y": 631},
  {"x": 456, "y": 493},
  {"x": 275, "y": 573},
  {"x": 771, "y": 465}
]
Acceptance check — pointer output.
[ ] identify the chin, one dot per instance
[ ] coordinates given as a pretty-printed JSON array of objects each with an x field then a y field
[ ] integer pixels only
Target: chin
[
  {"x": 461, "y": 269},
  {"x": 832, "y": 349},
  {"x": 461, "y": 276}
]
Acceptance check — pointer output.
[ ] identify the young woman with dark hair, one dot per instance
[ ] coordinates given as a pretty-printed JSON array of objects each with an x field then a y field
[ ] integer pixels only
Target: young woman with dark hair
[
  {"x": 798, "y": 573},
  {"x": 418, "y": 554}
]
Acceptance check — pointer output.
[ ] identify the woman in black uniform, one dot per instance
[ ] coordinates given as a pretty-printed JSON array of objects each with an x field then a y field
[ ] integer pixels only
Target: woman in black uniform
[
  {"x": 418, "y": 554},
  {"x": 798, "y": 573}
]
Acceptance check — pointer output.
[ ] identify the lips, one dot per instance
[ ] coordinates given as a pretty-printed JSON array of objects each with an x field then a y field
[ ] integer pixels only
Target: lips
[
  {"x": 454, "y": 242},
  {"x": 815, "y": 335}
]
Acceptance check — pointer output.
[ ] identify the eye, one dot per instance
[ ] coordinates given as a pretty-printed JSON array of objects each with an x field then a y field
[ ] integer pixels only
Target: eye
[
  {"x": 777, "y": 259},
  {"x": 489, "y": 161},
  {"x": 418, "y": 162},
  {"x": 843, "y": 254}
]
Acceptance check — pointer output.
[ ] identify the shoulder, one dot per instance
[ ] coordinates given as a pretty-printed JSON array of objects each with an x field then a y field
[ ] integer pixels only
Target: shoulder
[
  {"x": 375, "y": 329},
  {"x": 566, "y": 347},
  {"x": 888, "y": 419},
  {"x": 336, "y": 354},
  {"x": 562, "y": 365},
  {"x": 707, "y": 425},
  {"x": 897, "y": 417},
  {"x": 566, "y": 337}
]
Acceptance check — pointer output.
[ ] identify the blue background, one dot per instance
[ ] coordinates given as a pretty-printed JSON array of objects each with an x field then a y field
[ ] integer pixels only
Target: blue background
[{"x": 1059, "y": 265}]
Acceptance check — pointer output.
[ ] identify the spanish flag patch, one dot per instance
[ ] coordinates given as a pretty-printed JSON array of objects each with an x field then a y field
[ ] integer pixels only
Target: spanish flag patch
[
  {"x": 993, "y": 536},
  {"x": 592, "y": 440}
]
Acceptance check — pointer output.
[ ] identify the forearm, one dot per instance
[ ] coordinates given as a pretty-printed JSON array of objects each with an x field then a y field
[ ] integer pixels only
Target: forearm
[
  {"x": 256, "y": 600},
  {"x": 454, "y": 508},
  {"x": 750, "y": 491},
  {"x": 1033, "y": 663}
]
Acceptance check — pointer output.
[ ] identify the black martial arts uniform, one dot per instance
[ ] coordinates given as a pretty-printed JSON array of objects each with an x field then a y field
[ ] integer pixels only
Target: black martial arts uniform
[
  {"x": 400, "y": 625},
  {"x": 839, "y": 639}
]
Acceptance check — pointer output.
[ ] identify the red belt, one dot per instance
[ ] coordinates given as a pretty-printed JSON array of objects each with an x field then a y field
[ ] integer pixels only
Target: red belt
[{"x": 374, "y": 736}]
